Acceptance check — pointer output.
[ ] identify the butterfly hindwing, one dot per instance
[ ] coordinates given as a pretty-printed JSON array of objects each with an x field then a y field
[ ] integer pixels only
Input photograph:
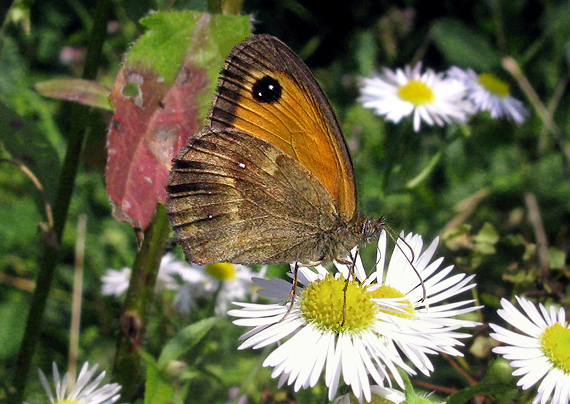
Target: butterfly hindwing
[{"x": 234, "y": 197}]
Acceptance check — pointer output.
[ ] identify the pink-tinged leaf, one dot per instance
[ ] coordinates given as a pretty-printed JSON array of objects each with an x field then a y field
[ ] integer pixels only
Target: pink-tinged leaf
[
  {"x": 147, "y": 129},
  {"x": 84, "y": 92},
  {"x": 161, "y": 96}
]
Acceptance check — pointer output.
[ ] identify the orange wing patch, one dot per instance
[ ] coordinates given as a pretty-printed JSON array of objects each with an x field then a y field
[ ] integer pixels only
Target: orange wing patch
[{"x": 296, "y": 125}]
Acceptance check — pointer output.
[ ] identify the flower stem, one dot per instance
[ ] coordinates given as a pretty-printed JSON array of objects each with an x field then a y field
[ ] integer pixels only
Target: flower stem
[
  {"x": 127, "y": 366},
  {"x": 542, "y": 111}
]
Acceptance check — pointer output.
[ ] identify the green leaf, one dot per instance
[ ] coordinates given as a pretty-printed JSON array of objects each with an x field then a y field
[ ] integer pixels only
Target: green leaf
[
  {"x": 19, "y": 13},
  {"x": 463, "y": 47},
  {"x": 158, "y": 389},
  {"x": 185, "y": 340},
  {"x": 486, "y": 239},
  {"x": 16, "y": 93},
  {"x": 457, "y": 237},
  {"x": 164, "y": 46},
  {"x": 521, "y": 277},
  {"x": 497, "y": 382},
  {"x": 488, "y": 235},
  {"x": 426, "y": 171},
  {"x": 529, "y": 251},
  {"x": 28, "y": 130},
  {"x": 27, "y": 143},
  {"x": 514, "y": 240},
  {"x": 13, "y": 324},
  {"x": 556, "y": 258}
]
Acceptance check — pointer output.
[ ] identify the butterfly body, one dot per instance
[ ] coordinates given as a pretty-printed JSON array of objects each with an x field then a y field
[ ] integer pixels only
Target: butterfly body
[{"x": 269, "y": 179}]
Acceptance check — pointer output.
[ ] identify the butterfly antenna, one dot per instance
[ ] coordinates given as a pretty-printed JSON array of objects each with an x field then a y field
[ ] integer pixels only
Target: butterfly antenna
[{"x": 411, "y": 262}]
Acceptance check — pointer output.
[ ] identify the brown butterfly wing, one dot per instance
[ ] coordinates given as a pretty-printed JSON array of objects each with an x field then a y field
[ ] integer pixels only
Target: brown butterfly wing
[
  {"x": 266, "y": 90},
  {"x": 234, "y": 197}
]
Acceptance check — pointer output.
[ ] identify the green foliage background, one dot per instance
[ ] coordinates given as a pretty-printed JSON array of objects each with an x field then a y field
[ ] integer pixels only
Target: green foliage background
[{"x": 479, "y": 196}]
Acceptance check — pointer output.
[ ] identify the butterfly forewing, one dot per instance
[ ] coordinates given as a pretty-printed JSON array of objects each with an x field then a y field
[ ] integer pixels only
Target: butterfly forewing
[{"x": 267, "y": 91}]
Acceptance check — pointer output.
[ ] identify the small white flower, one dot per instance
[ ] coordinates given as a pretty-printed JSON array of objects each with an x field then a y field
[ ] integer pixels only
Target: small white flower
[
  {"x": 540, "y": 352},
  {"x": 223, "y": 280},
  {"x": 489, "y": 93},
  {"x": 169, "y": 272},
  {"x": 84, "y": 391},
  {"x": 236, "y": 285},
  {"x": 430, "y": 97},
  {"x": 190, "y": 282},
  {"x": 367, "y": 337},
  {"x": 388, "y": 394},
  {"x": 115, "y": 282},
  {"x": 193, "y": 285}
]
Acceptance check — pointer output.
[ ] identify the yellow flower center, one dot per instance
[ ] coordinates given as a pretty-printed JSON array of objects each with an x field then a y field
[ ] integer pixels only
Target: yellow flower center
[
  {"x": 66, "y": 401},
  {"x": 322, "y": 304},
  {"x": 494, "y": 85},
  {"x": 416, "y": 92},
  {"x": 222, "y": 271},
  {"x": 556, "y": 346},
  {"x": 385, "y": 291}
]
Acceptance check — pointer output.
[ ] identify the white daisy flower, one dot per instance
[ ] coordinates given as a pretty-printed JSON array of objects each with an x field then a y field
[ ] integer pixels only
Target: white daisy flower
[
  {"x": 82, "y": 391},
  {"x": 368, "y": 337},
  {"x": 540, "y": 352},
  {"x": 430, "y": 97},
  {"x": 429, "y": 326},
  {"x": 387, "y": 394},
  {"x": 489, "y": 93}
]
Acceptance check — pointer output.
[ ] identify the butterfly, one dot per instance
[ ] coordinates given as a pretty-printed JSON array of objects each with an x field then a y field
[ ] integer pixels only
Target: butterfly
[{"x": 269, "y": 179}]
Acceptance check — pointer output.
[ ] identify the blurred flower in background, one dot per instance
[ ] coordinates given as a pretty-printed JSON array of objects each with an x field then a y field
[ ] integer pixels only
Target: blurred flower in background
[
  {"x": 429, "y": 97},
  {"x": 224, "y": 281},
  {"x": 489, "y": 93}
]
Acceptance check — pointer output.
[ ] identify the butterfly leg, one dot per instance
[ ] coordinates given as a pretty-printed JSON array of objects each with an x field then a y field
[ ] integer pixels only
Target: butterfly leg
[
  {"x": 293, "y": 292},
  {"x": 351, "y": 263}
]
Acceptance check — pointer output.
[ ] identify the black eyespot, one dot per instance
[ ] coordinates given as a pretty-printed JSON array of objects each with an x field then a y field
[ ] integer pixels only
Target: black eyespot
[{"x": 266, "y": 89}]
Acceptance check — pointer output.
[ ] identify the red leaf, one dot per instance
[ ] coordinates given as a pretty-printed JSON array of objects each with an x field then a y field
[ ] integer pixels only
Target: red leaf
[
  {"x": 160, "y": 98},
  {"x": 152, "y": 121}
]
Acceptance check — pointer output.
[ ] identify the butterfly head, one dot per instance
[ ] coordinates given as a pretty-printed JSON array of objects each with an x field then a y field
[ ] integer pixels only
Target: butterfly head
[{"x": 370, "y": 228}]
